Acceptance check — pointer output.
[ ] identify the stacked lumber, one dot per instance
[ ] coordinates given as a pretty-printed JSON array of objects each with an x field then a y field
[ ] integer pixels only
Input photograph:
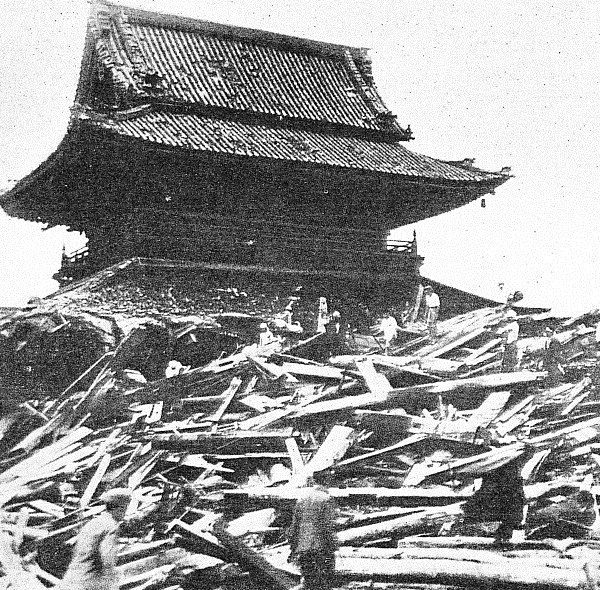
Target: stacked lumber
[{"x": 216, "y": 456}]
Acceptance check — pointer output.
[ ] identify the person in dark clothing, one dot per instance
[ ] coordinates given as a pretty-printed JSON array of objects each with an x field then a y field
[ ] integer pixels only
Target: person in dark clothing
[
  {"x": 499, "y": 499},
  {"x": 509, "y": 332},
  {"x": 336, "y": 332},
  {"x": 553, "y": 358},
  {"x": 312, "y": 536}
]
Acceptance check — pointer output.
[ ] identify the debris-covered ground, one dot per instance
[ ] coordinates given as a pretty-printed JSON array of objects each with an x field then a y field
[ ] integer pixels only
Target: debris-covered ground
[{"x": 419, "y": 442}]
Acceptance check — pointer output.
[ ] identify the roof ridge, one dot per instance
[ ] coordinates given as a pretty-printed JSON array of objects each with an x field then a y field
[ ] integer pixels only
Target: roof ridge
[{"x": 197, "y": 24}]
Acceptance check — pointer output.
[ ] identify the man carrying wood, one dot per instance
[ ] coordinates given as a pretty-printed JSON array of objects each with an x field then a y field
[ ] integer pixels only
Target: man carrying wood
[
  {"x": 94, "y": 563},
  {"x": 312, "y": 535}
]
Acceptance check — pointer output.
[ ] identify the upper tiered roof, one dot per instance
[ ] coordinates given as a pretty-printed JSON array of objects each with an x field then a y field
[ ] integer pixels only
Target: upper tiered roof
[
  {"x": 145, "y": 57},
  {"x": 200, "y": 88}
]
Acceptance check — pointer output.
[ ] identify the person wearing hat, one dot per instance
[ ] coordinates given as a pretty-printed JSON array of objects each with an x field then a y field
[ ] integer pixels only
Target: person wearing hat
[
  {"x": 94, "y": 563},
  {"x": 432, "y": 305},
  {"x": 509, "y": 332}
]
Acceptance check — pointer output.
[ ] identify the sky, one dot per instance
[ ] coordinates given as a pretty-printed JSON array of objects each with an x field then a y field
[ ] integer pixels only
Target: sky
[{"x": 512, "y": 83}]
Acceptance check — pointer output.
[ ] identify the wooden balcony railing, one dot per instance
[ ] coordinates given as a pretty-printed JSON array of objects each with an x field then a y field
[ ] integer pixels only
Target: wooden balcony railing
[{"x": 274, "y": 243}]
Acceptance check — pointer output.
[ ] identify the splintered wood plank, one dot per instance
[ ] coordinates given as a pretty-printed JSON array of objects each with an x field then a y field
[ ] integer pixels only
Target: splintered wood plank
[
  {"x": 403, "y": 443},
  {"x": 471, "y": 359},
  {"x": 488, "y": 410},
  {"x": 396, "y": 396},
  {"x": 405, "y": 496},
  {"x": 334, "y": 447},
  {"x": 444, "y": 367},
  {"x": 295, "y": 456},
  {"x": 95, "y": 481},
  {"x": 456, "y": 343},
  {"x": 323, "y": 372},
  {"x": 576, "y": 396},
  {"x": 468, "y": 574},
  {"x": 234, "y": 386},
  {"x": 474, "y": 466},
  {"x": 49, "y": 453},
  {"x": 377, "y": 383},
  {"x": 138, "y": 476},
  {"x": 252, "y": 522}
]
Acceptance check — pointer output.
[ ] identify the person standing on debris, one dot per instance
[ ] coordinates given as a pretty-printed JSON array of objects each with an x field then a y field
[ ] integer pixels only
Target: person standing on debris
[
  {"x": 336, "y": 330},
  {"x": 500, "y": 498},
  {"x": 509, "y": 331},
  {"x": 312, "y": 535},
  {"x": 389, "y": 327},
  {"x": 335, "y": 324},
  {"x": 288, "y": 314},
  {"x": 94, "y": 563},
  {"x": 432, "y": 304},
  {"x": 553, "y": 358},
  {"x": 322, "y": 316},
  {"x": 265, "y": 337}
]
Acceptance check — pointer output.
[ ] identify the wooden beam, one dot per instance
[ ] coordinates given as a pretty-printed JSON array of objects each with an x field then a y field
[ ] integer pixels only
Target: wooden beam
[
  {"x": 403, "y": 443},
  {"x": 395, "y": 396},
  {"x": 250, "y": 559},
  {"x": 234, "y": 386},
  {"x": 427, "y": 519},
  {"x": 95, "y": 481}
]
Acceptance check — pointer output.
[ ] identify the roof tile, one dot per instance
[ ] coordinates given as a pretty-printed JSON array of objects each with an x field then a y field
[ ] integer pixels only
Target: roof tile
[
  {"x": 202, "y": 133},
  {"x": 290, "y": 79}
]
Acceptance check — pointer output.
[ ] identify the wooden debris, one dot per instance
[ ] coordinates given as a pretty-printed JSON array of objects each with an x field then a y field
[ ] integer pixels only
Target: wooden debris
[{"x": 390, "y": 430}]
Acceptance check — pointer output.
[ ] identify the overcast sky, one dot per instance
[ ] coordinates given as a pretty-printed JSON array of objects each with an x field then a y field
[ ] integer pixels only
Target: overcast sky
[{"x": 512, "y": 83}]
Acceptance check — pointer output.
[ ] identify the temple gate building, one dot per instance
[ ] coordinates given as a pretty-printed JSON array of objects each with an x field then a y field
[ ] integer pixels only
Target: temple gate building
[{"x": 217, "y": 146}]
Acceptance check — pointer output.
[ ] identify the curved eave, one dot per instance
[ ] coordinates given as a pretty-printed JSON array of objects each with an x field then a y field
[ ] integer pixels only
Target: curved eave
[
  {"x": 18, "y": 201},
  {"x": 31, "y": 198}
]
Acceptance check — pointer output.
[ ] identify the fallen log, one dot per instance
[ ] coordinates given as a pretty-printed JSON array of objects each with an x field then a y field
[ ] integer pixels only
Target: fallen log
[
  {"x": 434, "y": 496},
  {"x": 459, "y": 573},
  {"x": 423, "y": 521}
]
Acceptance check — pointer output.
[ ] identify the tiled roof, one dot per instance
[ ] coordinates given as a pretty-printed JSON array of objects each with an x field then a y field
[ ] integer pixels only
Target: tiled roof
[
  {"x": 203, "y": 133},
  {"x": 151, "y": 57}
]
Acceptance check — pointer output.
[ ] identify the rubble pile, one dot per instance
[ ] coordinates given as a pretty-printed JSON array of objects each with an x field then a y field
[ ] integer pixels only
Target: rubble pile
[
  {"x": 127, "y": 290},
  {"x": 420, "y": 445}
]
